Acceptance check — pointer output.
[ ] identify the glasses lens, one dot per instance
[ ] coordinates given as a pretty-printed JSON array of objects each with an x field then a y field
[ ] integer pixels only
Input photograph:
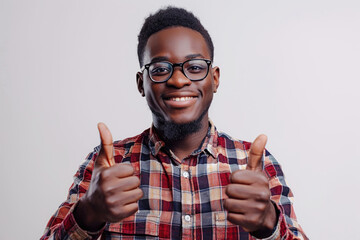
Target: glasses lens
[
  {"x": 196, "y": 69},
  {"x": 160, "y": 71}
]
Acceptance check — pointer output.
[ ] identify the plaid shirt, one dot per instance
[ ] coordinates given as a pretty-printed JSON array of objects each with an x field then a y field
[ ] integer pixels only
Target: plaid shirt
[{"x": 183, "y": 199}]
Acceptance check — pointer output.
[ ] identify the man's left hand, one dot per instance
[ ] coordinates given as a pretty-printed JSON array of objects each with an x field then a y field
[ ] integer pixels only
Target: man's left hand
[{"x": 249, "y": 202}]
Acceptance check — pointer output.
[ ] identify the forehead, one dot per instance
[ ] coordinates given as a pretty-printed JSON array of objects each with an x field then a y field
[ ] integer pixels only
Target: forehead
[{"x": 175, "y": 44}]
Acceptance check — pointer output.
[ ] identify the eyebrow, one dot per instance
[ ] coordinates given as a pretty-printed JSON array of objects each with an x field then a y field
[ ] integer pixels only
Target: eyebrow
[
  {"x": 160, "y": 59},
  {"x": 191, "y": 56}
]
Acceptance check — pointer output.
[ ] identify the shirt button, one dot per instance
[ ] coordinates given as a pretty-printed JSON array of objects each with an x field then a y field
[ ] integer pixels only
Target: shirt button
[
  {"x": 187, "y": 218},
  {"x": 185, "y": 175}
]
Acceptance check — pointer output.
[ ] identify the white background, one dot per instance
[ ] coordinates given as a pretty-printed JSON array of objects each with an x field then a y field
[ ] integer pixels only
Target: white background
[{"x": 289, "y": 69}]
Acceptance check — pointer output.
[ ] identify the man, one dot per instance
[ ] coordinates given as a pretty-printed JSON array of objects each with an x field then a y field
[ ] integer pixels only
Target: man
[{"x": 181, "y": 178}]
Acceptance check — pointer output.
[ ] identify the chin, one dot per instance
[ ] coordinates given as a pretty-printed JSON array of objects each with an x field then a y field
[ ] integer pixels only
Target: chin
[
  {"x": 179, "y": 118},
  {"x": 184, "y": 118}
]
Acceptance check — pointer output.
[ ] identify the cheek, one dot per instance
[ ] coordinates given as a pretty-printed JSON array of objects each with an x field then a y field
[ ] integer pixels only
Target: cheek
[
  {"x": 209, "y": 90},
  {"x": 147, "y": 88},
  {"x": 151, "y": 94}
]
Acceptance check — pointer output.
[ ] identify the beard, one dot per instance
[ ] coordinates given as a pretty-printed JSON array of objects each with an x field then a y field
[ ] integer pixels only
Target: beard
[{"x": 171, "y": 131}]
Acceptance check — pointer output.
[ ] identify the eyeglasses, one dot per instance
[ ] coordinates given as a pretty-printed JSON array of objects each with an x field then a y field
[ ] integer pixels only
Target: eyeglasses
[{"x": 193, "y": 69}]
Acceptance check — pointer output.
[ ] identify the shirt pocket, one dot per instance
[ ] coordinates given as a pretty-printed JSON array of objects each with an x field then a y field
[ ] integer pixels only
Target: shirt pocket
[
  {"x": 143, "y": 225},
  {"x": 220, "y": 225},
  {"x": 225, "y": 229}
]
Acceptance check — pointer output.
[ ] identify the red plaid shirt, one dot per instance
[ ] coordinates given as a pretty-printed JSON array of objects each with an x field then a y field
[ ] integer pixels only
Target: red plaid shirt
[{"x": 183, "y": 199}]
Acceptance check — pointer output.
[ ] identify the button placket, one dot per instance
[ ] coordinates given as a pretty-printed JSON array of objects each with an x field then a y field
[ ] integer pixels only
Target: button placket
[{"x": 187, "y": 196}]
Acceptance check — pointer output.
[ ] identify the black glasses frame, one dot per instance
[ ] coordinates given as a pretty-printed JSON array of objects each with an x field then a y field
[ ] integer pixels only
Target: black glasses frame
[{"x": 173, "y": 65}]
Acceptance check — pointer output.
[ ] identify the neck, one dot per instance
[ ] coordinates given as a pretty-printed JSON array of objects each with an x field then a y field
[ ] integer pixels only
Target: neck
[{"x": 182, "y": 146}]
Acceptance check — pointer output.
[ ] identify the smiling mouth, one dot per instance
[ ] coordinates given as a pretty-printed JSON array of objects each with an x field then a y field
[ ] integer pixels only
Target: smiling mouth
[
  {"x": 180, "y": 99},
  {"x": 177, "y": 102}
]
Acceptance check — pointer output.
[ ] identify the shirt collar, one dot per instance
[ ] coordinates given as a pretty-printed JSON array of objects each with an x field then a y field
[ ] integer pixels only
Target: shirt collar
[
  {"x": 155, "y": 143},
  {"x": 209, "y": 143}
]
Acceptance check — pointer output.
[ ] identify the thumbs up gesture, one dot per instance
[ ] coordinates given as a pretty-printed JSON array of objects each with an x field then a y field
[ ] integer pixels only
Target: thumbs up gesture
[
  {"x": 249, "y": 202},
  {"x": 113, "y": 192}
]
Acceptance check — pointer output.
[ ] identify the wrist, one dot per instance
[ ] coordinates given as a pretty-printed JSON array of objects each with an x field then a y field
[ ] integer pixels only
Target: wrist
[
  {"x": 86, "y": 217},
  {"x": 270, "y": 223}
]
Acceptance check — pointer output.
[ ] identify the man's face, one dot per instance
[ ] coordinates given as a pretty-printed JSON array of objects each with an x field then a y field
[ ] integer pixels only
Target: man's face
[{"x": 179, "y": 100}]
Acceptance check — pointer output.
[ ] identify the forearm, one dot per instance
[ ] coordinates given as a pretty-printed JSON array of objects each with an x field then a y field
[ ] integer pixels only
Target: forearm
[
  {"x": 67, "y": 227},
  {"x": 288, "y": 226},
  {"x": 286, "y": 231},
  {"x": 62, "y": 224}
]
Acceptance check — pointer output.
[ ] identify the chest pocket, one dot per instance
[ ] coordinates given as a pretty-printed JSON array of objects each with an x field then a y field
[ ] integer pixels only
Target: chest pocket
[
  {"x": 227, "y": 230},
  {"x": 143, "y": 225}
]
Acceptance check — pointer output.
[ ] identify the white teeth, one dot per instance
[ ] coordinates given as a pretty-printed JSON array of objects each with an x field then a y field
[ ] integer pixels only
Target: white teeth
[{"x": 181, "y": 99}]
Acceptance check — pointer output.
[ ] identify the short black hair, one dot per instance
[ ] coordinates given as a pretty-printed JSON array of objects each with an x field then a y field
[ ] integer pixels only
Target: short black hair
[{"x": 166, "y": 18}]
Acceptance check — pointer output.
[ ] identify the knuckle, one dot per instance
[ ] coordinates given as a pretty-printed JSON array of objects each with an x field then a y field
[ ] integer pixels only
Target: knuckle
[
  {"x": 108, "y": 190},
  {"x": 124, "y": 212},
  {"x": 253, "y": 220},
  {"x": 263, "y": 196},
  {"x": 260, "y": 207},
  {"x": 117, "y": 213},
  {"x": 103, "y": 175},
  {"x": 234, "y": 176},
  {"x": 134, "y": 210},
  {"x": 139, "y": 193},
  {"x": 231, "y": 190},
  {"x": 109, "y": 202},
  {"x": 135, "y": 180},
  {"x": 128, "y": 213},
  {"x": 126, "y": 167},
  {"x": 119, "y": 210}
]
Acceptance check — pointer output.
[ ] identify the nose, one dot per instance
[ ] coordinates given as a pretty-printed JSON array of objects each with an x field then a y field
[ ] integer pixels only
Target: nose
[{"x": 178, "y": 79}]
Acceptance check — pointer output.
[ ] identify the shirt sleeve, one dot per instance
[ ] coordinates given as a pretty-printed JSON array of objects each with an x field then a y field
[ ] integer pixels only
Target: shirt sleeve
[
  {"x": 287, "y": 226},
  {"x": 62, "y": 224}
]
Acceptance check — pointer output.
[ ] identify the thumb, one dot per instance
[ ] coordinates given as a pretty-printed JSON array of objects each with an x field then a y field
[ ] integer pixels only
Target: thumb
[
  {"x": 106, "y": 156},
  {"x": 256, "y": 153}
]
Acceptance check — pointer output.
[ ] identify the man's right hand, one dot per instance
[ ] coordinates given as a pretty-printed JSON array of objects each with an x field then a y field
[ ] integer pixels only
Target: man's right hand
[{"x": 113, "y": 192}]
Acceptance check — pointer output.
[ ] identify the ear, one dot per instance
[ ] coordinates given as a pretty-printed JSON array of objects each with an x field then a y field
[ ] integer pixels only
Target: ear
[
  {"x": 140, "y": 83},
  {"x": 216, "y": 77}
]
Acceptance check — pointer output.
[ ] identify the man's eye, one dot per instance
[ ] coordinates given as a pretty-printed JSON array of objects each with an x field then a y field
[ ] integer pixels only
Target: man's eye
[
  {"x": 160, "y": 71},
  {"x": 195, "y": 68}
]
